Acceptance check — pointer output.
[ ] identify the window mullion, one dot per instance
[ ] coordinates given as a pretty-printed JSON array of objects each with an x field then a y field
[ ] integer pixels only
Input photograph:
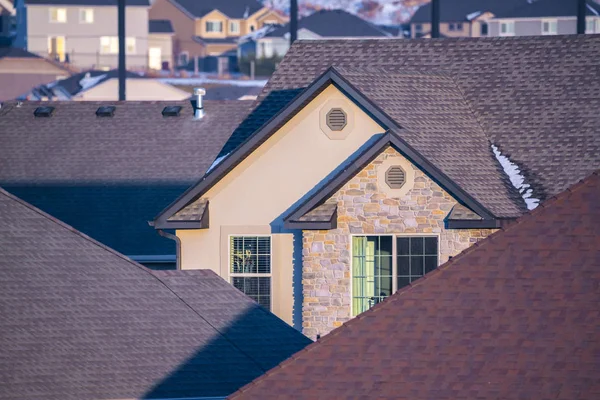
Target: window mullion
[{"x": 394, "y": 265}]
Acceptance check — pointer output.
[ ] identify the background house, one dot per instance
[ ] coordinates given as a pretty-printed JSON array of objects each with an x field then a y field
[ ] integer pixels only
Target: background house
[
  {"x": 274, "y": 41},
  {"x": 8, "y": 22},
  {"x": 206, "y": 28},
  {"x": 83, "y": 32},
  {"x": 107, "y": 168},
  {"x": 81, "y": 321},
  {"x": 20, "y": 70},
  {"x": 544, "y": 17},
  {"x": 160, "y": 44}
]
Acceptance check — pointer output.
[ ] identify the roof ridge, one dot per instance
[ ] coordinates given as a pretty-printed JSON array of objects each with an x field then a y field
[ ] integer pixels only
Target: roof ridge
[{"x": 391, "y": 300}]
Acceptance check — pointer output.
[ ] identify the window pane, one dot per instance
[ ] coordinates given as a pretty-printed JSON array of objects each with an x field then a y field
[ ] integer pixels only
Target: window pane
[
  {"x": 385, "y": 246},
  {"x": 403, "y": 281},
  {"x": 416, "y": 266},
  {"x": 258, "y": 289},
  {"x": 264, "y": 264},
  {"x": 431, "y": 245},
  {"x": 383, "y": 286},
  {"x": 384, "y": 266},
  {"x": 430, "y": 263},
  {"x": 403, "y": 265},
  {"x": 402, "y": 246},
  {"x": 416, "y": 246}
]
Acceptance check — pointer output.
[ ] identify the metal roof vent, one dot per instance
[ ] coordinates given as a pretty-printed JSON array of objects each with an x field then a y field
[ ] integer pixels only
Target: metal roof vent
[
  {"x": 336, "y": 119},
  {"x": 105, "y": 111},
  {"x": 196, "y": 101},
  {"x": 171, "y": 111},
  {"x": 395, "y": 177},
  {"x": 43, "y": 112}
]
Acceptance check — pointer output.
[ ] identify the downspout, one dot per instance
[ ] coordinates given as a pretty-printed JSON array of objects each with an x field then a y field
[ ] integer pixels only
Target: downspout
[{"x": 177, "y": 246}]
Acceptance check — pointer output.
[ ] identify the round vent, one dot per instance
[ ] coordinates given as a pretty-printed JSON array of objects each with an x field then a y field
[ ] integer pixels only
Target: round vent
[
  {"x": 336, "y": 119},
  {"x": 395, "y": 177}
]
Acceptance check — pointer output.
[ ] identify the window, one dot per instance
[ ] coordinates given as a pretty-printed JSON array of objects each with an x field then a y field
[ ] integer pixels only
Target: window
[
  {"x": 214, "y": 26},
  {"x": 483, "y": 28},
  {"x": 110, "y": 45},
  {"x": 251, "y": 28},
  {"x": 234, "y": 27},
  {"x": 383, "y": 264},
  {"x": 507, "y": 28},
  {"x": 549, "y": 27},
  {"x": 86, "y": 15},
  {"x": 250, "y": 267},
  {"x": 184, "y": 58},
  {"x": 418, "y": 28},
  {"x": 57, "y": 49},
  {"x": 58, "y": 15},
  {"x": 592, "y": 25},
  {"x": 451, "y": 27},
  {"x": 459, "y": 26}
]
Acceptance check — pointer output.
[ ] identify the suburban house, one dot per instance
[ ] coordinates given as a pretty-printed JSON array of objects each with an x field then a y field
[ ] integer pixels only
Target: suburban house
[
  {"x": 107, "y": 168},
  {"x": 160, "y": 44},
  {"x": 21, "y": 70},
  {"x": 460, "y": 18},
  {"x": 98, "y": 85},
  {"x": 83, "y": 32},
  {"x": 81, "y": 321},
  {"x": 365, "y": 164},
  {"x": 8, "y": 22},
  {"x": 515, "y": 317},
  {"x": 211, "y": 28},
  {"x": 273, "y": 41},
  {"x": 544, "y": 17}
]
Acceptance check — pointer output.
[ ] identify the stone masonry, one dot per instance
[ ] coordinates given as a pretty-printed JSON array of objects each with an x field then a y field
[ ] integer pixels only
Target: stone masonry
[{"x": 363, "y": 208}]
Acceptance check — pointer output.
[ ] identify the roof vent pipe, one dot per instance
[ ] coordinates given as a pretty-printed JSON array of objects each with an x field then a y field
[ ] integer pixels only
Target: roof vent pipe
[{"x": 197, "y": 103}]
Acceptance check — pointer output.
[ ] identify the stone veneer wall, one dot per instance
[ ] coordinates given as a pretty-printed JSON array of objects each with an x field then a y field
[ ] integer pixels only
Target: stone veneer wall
[{"x": 364, "y": 209}]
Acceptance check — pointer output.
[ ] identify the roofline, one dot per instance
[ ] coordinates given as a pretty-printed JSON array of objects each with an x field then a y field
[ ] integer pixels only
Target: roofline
[
  {"x": 330, "y": 76},
  {"x": 188, "y": 14}
]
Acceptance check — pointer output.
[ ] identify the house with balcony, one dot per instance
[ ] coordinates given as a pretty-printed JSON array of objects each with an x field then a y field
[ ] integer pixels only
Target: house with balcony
[
  {"x": 211, "y": 28},
  {"x": 84, "y": 33},
  {"x": 366, "y": 164},
  {"x": 544, "y": 17}
]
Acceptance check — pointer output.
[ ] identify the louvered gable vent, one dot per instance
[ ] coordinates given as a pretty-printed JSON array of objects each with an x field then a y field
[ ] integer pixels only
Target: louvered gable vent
[
  {"x": 395, "y": 177},
  {"x": 336, "y": 119}
]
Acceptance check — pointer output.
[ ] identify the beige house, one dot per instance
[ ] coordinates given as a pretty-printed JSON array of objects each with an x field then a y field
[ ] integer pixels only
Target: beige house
[
  {"x": 85, "y": 32},
  {"x": 349, "y": 183},
  {"x": 160, "y": 44},
  {"x": 211, "y": 27}
]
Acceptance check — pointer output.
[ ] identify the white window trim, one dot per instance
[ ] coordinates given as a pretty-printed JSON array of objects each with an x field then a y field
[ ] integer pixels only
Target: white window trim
[
  {"x": 250, "y": 275},
  {"x": 595, "y": 22},
  {"x": 57, "y": 21},
  {"x": 211, "y": 21},
  {"x": 549, "y": 21},
  {"x": 85, "y": 10},
  {"x": 236, "y": 24},
  {"x": 507, "y": 22},
  {"x": 394, "y": 258}
]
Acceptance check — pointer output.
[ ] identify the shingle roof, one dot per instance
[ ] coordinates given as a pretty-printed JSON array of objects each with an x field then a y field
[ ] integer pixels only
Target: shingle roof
[
  {"x": 72, "y": 85},
  {"x": 14, "y": 52},
  {"x": 457, "y": 10},
  {"x": 231, "y": 8},
  {"x": 108, "y": 176},
  {"x": 548, "y": 8},
  {"x": 513, "y": 317},
  {"x": 130, "y": 3},
  {"x": 536, "y": 98},
  {"x": 80, "y": 321},
  {"x": 333, "y": 23},
  {"x": 160, "y": 26}
]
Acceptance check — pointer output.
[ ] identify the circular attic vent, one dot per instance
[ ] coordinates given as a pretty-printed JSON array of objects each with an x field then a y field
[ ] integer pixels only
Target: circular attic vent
[
  {"x": 336, "y": 119},
  {"x": 395, "y": 177}
]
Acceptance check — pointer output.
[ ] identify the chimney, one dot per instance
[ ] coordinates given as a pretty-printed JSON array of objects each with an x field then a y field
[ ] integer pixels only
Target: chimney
[
  {"x": 435, "y": 19},
  {"x": 581, "y": 11},
  {"x": 197, "y": 103},
  {"x": 293, "y": 21}
]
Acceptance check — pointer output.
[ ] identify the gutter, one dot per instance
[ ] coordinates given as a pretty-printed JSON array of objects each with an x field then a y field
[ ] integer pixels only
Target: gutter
[{"x": 177, "y": 244}]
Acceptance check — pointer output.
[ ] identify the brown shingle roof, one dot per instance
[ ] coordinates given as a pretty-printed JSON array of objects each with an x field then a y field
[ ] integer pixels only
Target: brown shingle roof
[
  {"x": 81, "y": 321},
  {"x": 515, "y": 316}
]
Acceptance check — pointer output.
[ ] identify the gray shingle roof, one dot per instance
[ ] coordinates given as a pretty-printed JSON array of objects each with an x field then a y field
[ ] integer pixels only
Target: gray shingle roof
[
  {"x": 160, "y": 26},
  {"x": 108, "y": 176},
  {"x": 547, "y": 8},
  {"x": 536, "y": 98},
  {"x": 457, "y": 10},
  {"x": 80, "y": 321},
  {"x": 231, "y": 8}
]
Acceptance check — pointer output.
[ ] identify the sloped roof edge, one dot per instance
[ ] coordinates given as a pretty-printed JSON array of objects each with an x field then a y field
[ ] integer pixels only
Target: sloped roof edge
[{"x": 330, "y": 76}]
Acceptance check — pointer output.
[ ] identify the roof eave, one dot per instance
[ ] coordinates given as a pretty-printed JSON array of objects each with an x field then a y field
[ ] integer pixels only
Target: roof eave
[{"x": 475, "y": 223}]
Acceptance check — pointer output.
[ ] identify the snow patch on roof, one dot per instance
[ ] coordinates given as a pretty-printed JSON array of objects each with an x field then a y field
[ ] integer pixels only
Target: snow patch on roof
[
  {"x": 200, "y": 81},
  {"x": 592, "y": 9},
  {"x": 89, "y": 81},
  {"x": 516, "y": 178},
  {"x": 473, "y": 15},
  {"x": 216, "y": 162}
]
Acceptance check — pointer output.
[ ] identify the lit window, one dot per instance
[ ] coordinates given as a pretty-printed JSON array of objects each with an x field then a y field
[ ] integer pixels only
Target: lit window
[
  {"x": 507, "y": 28},
  {"x": 86, "y": 15},
  {"x": 110, "y": 45},
  {"x": 234, "y": 27},
  {"x": 58, "y": 15},
  {"x": 214, "y": 26},
  {"x": 250, "y": 267},
  {"x": 383, "y": 264},
  {"x": 549, "y": 27},
  {"x": 130, "y": 45}
]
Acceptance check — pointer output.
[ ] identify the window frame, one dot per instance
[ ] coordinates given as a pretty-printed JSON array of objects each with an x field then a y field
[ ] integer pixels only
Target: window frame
[
  {"x": 85, "y": 11},
  {"x": 507, "y": 22},
  {"x": 231, "y": 275},
  {"x": 394, "y": 236},
  {"x": 549, "y": 21},
  {"x": 57, "y": 20},
  {"x": 211, "y": 21}
]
